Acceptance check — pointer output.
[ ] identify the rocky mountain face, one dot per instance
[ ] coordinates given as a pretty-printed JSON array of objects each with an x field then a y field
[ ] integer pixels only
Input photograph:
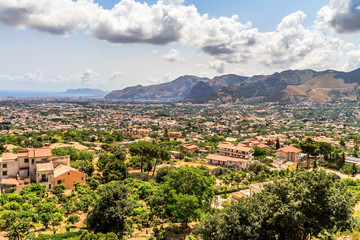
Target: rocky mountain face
[
  {"x": 203, "y": 89},
  {"x": 290, "y": 85},
  {"x": 170, "y": 91}
]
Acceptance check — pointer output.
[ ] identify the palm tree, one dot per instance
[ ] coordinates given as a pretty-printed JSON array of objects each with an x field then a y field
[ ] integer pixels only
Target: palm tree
[
  {"x": 238, "y": 178},
  {"x": 250, "y": 177},
  {"x": 227, "y": 180}
]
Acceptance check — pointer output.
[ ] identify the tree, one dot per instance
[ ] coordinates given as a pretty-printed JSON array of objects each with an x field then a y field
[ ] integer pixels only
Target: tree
[
  {"x": 73, "y": 218},
  {"x": 184, "y": 187},
  {"x": 56, "y": 219},
  {"x": 340, "y": 160},
  {"x": 342, "y": 142},
  {"x": 111, "y": 209},
  {"x": 259, "y": 151},
  {"x": 112, "y": 168},
  {"x": 146, "y": 151},
  {"x": 277, "y": 144},
  {"x": 163, "y": 155},
  {"x": 354, "y": 169},
  {"x": 303, "y": 206},
  {"x": 347, "y": 169},
  {"x": 227, "y": 180},
  {"x": 238, "y": 178}
]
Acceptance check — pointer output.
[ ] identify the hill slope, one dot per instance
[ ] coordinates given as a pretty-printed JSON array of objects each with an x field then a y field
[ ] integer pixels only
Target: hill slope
[
  {"x": 292, "y": 85},
  {"x": 170, "y": 91},
  {"x": 203, "y": 89}
]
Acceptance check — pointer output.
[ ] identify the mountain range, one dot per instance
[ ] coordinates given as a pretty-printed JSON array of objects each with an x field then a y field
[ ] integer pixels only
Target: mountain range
[
  {"x": 91, "y": 92},
  {"x": 290, "y": 85}
]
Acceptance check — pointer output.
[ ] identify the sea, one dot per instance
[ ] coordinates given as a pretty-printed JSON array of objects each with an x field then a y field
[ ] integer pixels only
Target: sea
[{"x": 35, "y": 94}]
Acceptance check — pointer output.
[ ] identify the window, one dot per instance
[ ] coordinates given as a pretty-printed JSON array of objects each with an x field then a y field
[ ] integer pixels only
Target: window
[
  {"x": 64, "y": 180},
  {"x": 4, "y": 173},
  {"x": 82, "y": 178},
  {"x": 59, "y": 182},
  {"x": 26, "y": 160},
  {"x": 32, "y": 161},
  {"x": 68, "y": 173},
  {"x": 5, "y": 165}
]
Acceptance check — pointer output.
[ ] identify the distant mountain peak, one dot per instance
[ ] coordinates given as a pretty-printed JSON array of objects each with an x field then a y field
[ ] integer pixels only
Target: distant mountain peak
[{"x": 87, "y": 92}]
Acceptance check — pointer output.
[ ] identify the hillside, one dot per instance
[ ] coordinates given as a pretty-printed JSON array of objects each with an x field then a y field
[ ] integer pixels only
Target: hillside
[
  {"x": 292, "y": 85},
  {"x": 203, "y": 89},
  {"x": 170, "y": 91}
]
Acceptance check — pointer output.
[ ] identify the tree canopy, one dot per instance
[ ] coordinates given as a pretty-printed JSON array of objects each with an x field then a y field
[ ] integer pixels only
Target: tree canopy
[
  {"x": 307, "y": 204},
  {"x": 111, "y": 209}
]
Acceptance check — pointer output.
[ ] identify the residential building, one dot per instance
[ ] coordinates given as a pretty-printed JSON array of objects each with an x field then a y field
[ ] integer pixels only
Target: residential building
[
  {"x": 239, "y": 156},
  {"x": 68, "y": 176},
  {"x": 190, "y": 148},
  {"x": 288, "y": 156},
  {"x": 30, "y": 166},
  {"x": 174, "y": 134},
  {"x": 131, "y": 131}
]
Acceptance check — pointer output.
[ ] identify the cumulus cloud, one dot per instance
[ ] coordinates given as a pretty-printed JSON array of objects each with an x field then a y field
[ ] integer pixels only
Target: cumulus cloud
[
  {"x": 173, "y": 55},
  {"x": 219, "y": 66},
  {"x": 60, "y": 17},
  {"x": 342, "y": 15},
  {"x": 157, "y": 80},
  {"x": 36, "y": 77},
  {"x": 88, "y": 78},
  {"x": 224, "y": 39}
]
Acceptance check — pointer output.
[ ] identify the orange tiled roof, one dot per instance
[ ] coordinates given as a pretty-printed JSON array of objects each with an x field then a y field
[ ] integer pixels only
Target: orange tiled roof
[
  {"x": 225, "y": 145},
  {"x": 243, "y": 148},
  {"x": 44, "y": 166},
  {"x": 61, "y": 169},
  {"x": 218, "y": 157},
  {"x": 9, "y": 181},
  {"x": 35, "y": 152},
  {"x": 8, "y": 156},
  {"x": 290, "y": 149}
]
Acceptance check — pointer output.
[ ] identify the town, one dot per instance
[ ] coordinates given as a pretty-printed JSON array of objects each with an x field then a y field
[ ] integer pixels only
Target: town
[{"x": 66, "y": 150}]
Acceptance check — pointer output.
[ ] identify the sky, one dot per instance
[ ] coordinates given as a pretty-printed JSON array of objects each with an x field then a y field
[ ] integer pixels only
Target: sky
[{"x": 54, "y": 45}]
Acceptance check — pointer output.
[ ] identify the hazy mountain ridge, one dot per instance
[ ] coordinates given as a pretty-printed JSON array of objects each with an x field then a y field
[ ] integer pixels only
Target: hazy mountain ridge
[
  {"x": 289, "y": 85},
  {"x": 170, "y": 91},
  {"x": 292, "y": 85},
  {"x": 87, "y": 91},
  {"x": 203, "y": 89}
]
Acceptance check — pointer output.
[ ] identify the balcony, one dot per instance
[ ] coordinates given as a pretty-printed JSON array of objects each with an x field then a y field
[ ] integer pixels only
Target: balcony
[{"x": 44, "y": 180}]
